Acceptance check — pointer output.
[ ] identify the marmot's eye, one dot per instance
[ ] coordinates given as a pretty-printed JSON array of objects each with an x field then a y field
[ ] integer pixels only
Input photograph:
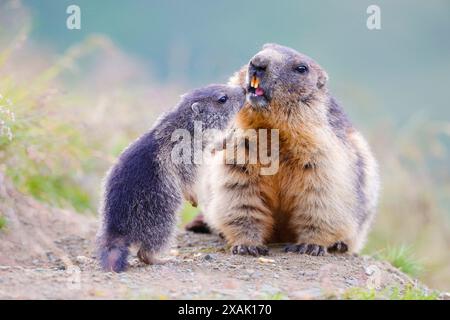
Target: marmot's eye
[
  {"x": 222, "y": 99},
  {"x": 301, "y": 68}
]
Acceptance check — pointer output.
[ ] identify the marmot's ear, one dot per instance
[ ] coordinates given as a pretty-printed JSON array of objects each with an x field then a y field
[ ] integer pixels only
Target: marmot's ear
[
  {"x": 322, "y": 79},
  {"x": 269, "y": 45},
  {"x": 196, "y": 107},
  {"x": 239, "y": 77}
]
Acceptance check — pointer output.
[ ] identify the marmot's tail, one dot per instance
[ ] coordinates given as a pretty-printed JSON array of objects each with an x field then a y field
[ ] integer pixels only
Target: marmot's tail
[{"x": 113, "y": 253}]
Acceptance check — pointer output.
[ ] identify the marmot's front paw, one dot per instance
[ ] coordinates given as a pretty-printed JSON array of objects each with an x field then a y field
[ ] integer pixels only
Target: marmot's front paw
[
  {"x": 250, "y": 250},
  {"x": 338, "y": 247},
  {"x": 303, "y": 248}
]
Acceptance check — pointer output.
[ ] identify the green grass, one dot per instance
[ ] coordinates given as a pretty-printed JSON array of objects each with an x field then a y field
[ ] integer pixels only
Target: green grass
[
  {"x": 274, "y": 296},
  {"x": 60, "y": 191},
  {"x": 411, "y": 293},
  {"x": 45, "y": 155},
  {"x": 360, "y": 294},
  {"x": 188, "y": 213},
  {"x": 2, "y": 222},
  {"x": 408, "y": 293},
  {"x": 401, "y": 257}
]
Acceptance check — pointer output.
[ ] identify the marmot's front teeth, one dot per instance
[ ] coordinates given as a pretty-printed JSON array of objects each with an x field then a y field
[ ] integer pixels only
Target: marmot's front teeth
[{"x": 256, "y": 83}]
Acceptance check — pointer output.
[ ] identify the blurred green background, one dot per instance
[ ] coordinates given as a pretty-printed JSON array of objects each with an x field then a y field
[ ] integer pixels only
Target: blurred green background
[
  {"x": 80, "y": 96},
  {"x": 204, "y": 41}
]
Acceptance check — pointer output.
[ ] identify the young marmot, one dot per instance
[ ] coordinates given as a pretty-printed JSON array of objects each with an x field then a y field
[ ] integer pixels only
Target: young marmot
[
  {"x": 325, "y": 191},
  {"x": 145, "y": 188}
]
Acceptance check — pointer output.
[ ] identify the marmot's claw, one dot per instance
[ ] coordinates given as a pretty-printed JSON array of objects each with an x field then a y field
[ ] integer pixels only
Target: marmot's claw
[
  {"x": 300, "y": 248},
  {"x": 250, "y": 250},
  {"x": 303, "y": 248},
  {"x": 338, "y": 247}
]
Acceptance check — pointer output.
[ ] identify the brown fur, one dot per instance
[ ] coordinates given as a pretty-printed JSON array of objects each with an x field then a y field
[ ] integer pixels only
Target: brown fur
[{"x": 312, "y": 199}]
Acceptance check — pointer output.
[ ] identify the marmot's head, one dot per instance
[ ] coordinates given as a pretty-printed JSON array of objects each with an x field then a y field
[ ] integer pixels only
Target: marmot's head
[
  {"x": 281, "y": 74},
  {"x": 214, "y": 105}
]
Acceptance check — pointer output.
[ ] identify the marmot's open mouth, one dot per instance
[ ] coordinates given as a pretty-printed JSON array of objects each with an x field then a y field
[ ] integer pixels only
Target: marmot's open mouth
[
  {"x": 256, "y": 95},
  {"x": 254, "y": 87}
]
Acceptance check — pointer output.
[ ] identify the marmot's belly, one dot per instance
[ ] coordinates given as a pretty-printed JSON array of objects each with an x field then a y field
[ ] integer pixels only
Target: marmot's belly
[
  {"x": 298, "y": 201},
  {"x": 282, "y": 207},
  {"x": 283, "y": 231}
]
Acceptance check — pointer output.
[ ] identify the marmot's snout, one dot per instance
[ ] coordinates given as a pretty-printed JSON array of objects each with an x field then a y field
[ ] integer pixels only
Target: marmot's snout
[{"x": 258, "y": 91}]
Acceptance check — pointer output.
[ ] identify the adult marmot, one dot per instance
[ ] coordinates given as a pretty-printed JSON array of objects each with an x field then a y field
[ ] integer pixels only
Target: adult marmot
[{"x": 325, "y": 192}]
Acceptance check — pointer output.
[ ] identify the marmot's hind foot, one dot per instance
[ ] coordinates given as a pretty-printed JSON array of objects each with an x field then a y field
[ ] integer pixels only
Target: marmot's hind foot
[
  {"x": 250, "y": 250},
  {"x": 148, "y": 258},
  {"x": 338, "y": 247},
  {"x": 198, "y": 225},
  {"x": 303, "y": 248}
]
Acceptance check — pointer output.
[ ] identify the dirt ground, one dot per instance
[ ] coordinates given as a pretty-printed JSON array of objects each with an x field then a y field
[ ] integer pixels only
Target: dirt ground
[
  {"x": 48, "y": 253},
  {"x": 198, "y": 268}
]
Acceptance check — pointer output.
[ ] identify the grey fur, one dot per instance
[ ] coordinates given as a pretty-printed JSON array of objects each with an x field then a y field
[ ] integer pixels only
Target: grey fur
[
  {"x": 338, "y": 119},
  {"x": 145, "y": 188}
]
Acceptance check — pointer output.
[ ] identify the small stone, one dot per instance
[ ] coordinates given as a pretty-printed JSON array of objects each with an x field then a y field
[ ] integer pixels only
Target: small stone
[
  {"x": 51, "y": 257},
  {"x": 208, "y": 257},
  {"x": 351, "y": 282},
  {"x": 174, "y": 252},
  {"x": 265, "y": 260},
  {"x": 370, "y": 270},
  {"x": 82, "y": 259}
]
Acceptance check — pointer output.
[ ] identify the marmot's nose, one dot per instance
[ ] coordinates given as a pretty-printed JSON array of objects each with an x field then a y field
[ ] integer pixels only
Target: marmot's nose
[{"x": 258, "y": 65}]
